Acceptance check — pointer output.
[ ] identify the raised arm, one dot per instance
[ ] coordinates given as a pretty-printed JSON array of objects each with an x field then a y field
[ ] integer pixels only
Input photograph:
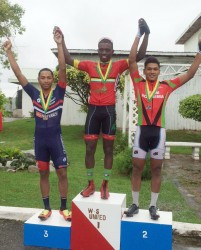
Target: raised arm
[
  {"x": 144, "y": 29},
  {"x": 68, "y": 59},
  {"x": 61, "y": 59},
  {"x": 134, "y": 57},
  {"x": 193, "y": 68},
  {"x": 14, "y": 66}
]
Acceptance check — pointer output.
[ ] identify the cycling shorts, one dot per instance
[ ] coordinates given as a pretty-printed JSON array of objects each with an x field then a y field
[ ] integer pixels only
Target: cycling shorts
[
  {"x": 48, "y": 146},
  {"x": 100, "y": 119},
  {"x": 149, "y": 138}
]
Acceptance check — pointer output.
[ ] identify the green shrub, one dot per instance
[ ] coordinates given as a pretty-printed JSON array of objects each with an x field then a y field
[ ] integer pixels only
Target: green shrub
[
  {"x": 123, "y": 163},
  {"x": 8, "y": 154},
  {"x": 190, "y": 107},
  {"x": 121, "y": 143}
]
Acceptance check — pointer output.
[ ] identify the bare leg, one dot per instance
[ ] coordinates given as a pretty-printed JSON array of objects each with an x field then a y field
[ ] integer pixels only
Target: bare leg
[
  {"x": 90, "y": 153},
  {"x": 108, "y": 151},
  {"x": 62, "y": 181}
]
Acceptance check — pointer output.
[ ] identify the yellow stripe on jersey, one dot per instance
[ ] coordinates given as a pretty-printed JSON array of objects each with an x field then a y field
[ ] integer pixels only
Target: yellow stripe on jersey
[{"x": 100, "y": 80}]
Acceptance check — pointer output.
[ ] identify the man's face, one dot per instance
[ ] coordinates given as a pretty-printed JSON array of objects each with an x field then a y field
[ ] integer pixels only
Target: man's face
[
  {"x": 45, "y": 80},
  {"x": 105, "y": 51},
  {"x": 152, "y": 72}
]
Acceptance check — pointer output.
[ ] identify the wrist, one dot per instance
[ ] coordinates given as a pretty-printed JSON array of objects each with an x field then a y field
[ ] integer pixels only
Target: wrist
[{"x": 138, "y": 34}]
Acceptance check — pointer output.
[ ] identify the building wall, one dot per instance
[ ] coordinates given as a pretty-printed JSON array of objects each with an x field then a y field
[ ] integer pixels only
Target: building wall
[{"x": 192, "y": 44}]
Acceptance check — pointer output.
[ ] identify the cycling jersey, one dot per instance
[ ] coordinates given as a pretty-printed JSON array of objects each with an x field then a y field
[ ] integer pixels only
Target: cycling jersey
[
  {"x": 52, "y": 117},
  {"x": 48, "y": 142},
  {"x": 104, "y": 79},
  {"x": 151, "y": 99}
]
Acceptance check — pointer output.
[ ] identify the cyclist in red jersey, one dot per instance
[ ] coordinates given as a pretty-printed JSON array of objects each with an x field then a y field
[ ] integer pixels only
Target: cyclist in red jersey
[
  {"x": 101, "y": 116},
  {"x": 151, "y": 96}
]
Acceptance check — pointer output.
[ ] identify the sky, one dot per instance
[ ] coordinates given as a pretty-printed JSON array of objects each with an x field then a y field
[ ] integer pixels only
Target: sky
[{"x": 84, "y": 22}]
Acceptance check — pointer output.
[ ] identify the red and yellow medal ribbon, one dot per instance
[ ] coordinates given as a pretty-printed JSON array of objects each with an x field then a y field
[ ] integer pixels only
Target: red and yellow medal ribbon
[{"x": 150, "y": 94}]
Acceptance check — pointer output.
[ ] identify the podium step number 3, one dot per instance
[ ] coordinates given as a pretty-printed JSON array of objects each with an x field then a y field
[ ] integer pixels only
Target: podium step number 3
[{"x": 54, "y": 232}]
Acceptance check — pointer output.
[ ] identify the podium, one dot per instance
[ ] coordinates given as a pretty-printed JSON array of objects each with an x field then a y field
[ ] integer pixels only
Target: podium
[
  {"x": 53, "y": 233},
  {"x": 141, "y": 232},
  {"x": 99, "y": 224},
  {"x": 96, "y": 223}
]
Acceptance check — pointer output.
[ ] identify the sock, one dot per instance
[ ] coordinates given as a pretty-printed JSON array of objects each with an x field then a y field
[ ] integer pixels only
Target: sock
[
  {"x": 154, "y": 198},
  {"x": 63, "y": 203},
  {"x": 106, "y": 174},
  {"x": 90, "y": 173},
  {"x": 46, "y": 203},
  {"x": 135, "y": 196}
]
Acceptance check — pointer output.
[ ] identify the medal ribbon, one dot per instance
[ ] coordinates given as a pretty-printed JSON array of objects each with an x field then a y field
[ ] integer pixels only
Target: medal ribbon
[
  {"x": 104, "y": 77},
  {"x": 150, "y": 94},
  {"x": 46, "y": 104}
]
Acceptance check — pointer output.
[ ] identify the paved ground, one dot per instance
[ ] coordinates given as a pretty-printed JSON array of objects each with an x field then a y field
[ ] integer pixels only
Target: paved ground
[{"x": 186, "y": 174}]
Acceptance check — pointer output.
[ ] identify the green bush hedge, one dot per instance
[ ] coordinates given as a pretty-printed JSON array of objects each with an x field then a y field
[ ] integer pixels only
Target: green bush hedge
[
  {"x": 123, "y": 163},
  {"x": 190, "y": 107}
]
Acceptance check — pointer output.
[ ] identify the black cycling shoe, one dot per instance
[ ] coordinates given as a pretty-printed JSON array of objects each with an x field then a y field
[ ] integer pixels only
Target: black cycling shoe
[
  {"x": 154, "y": 213},
  {"x": 133, "y": 209}
]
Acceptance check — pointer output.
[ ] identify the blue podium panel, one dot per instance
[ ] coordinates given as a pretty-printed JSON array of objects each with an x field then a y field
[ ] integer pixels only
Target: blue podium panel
[
  {"x": 140, "y": 232},
  {"x": 53, "y": 233}
]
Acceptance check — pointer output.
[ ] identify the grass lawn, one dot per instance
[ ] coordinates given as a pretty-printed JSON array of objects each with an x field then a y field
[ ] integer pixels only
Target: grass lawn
[{"x": 21, "y": 189}]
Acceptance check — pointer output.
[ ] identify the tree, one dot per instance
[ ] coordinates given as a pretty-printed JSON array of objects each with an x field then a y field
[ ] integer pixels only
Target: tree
[
  {"x": 10, "y": 24},
  {"x": 79, "y": 83},
  {"x": 3, "y": 101},
  {"x": 190, "y": 107}
]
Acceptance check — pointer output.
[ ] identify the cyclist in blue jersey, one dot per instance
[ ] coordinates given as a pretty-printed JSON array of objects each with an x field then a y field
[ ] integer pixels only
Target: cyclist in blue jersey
[{"x": 47, "y": 104}]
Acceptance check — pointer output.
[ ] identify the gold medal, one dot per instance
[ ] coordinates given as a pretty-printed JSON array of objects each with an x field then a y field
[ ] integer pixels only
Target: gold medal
[
  {"x": 104, "y": 89},
  {"x": 45, "y": 117}
]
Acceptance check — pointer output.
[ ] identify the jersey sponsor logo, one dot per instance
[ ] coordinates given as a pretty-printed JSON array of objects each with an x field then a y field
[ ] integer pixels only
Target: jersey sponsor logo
[
  {"x": 156, "y": 96},
  {"x": 52, "y": 114},
  {"x": 135, "y": 152},
  {"x": 155, "y": 153},
  {"x": 38, "y": 100}
]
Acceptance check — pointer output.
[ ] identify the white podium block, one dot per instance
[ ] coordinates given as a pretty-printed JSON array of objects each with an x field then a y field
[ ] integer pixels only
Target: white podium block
[
  {"x": 54, "y": 232},
  {"x": 141, "y": 232},
  {"x": 96, "y": 223}
]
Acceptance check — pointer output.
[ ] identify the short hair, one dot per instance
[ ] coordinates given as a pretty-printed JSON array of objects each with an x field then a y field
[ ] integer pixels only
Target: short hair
[
  {"x": 105, "y": 40},
  {"x": 45, "y": 69},
  {"x": 151, "y": 59}
]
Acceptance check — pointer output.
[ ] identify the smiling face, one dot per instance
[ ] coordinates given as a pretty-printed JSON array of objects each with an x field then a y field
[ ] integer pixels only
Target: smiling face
[
  {"x": 105, "y": 51},
  {"x": 152, "y": 71},
  {"x": 45, "y": 79}
]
